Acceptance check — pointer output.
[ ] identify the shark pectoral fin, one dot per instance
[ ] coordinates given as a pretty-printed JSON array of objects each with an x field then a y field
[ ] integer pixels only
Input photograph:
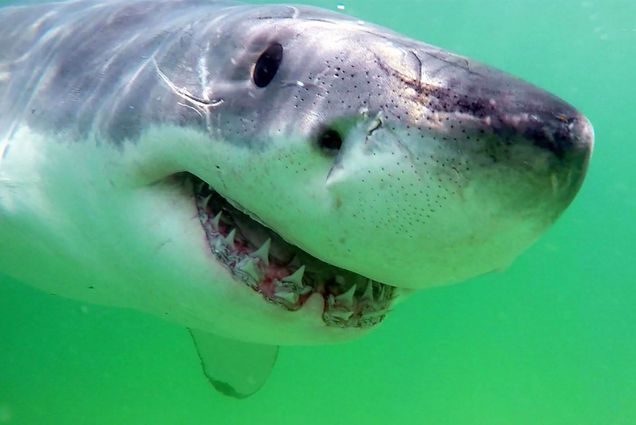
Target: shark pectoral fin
[{"x": 236, "y": 369}]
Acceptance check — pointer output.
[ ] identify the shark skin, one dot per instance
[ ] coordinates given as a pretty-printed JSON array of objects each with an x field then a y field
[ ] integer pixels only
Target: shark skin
[{"x": 263, "y": 175}]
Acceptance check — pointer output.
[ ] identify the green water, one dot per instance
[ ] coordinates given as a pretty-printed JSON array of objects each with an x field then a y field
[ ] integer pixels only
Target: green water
[{"x": 552, "y": 340}]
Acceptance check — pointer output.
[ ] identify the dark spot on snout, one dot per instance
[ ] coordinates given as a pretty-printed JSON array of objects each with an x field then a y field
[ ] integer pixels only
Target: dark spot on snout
[
  {"x": 540, "y": 129},
  {"x": 514, "y": 111},
  {"x": 539, "y": 118},
  {"x": 442, "y": 99},
  {"x": 557, "y": 133}
]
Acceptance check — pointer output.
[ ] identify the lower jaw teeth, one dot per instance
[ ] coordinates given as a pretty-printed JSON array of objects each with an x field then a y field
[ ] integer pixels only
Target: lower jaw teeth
[
  {"x": 358, "y": 306},
  {"x": 338, "y": 316}
]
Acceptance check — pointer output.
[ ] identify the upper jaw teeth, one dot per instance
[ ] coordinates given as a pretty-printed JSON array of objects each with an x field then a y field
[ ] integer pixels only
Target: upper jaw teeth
[
  {"x": 296, "y": 279},
  {"x": 216, "y": 220},
  {"x": 346, "y": 299},
  {"x": 229, "y": 239},
  {"x": 349, "y": 301},
  {"x": 249, "y": 271},
  {"x": 263, "y": 252}
]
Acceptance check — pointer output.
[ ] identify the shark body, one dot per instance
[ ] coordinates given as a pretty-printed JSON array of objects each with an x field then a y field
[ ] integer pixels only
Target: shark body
[{"x": 268, "y": 175}]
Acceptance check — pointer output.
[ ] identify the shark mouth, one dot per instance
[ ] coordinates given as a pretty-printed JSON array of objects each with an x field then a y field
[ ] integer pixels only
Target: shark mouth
[{"x": 284, "y": 274}]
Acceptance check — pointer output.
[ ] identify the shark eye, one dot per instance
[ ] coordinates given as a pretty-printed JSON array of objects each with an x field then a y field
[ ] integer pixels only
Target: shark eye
[
  {"x": 267, "y": 65},
  {"x": 330, "y": 141}
]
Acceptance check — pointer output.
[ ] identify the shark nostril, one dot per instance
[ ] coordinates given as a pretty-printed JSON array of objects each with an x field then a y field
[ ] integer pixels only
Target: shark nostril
[{"x": 330, "y": 141}]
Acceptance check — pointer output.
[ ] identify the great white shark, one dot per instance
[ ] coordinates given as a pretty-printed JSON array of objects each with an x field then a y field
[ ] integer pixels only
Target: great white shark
[{"x": 263, "y": 175}]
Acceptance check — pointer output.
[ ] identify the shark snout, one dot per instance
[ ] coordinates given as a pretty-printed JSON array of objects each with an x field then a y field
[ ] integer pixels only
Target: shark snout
[
  {"x": 537, "y": 131},
  {"x": 496, "y": 119},
  {"x": 465, "y": 94},
  {"x": 564, "y": 132}
]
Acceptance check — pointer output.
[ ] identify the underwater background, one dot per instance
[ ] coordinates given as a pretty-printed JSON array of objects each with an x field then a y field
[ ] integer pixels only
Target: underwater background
[{"x": 551, "y": 340}]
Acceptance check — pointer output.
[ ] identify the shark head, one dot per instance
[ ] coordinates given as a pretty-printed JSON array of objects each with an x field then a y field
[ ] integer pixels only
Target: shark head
[
  {"x": 368, "y": 164},
  {"x": 286, "y": 174}
]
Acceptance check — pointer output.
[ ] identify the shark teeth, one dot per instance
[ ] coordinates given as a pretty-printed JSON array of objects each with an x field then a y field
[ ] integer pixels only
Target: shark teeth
[
  {"x": 341, "y": 315},
  {"x": 216, "y": 220},
  {"x": 290, "y": 288},
  {"x": 350, "y": 301},
  {"x": 206, "y": 200},
  {"x": 336, "y": 314},
  {"x": 296, "y": 278},
  {"x": 346, "y": 299},
  {"x": 288, "y": 297},
  {"x": 229, "y": 239},
  {"x": 248, "y": 268},
  {"x": 219, "y": 247},
  {"x": 367, "y": 296},
  {"x": 363, "y": 311},
  {"x": 263, "y": 252}
]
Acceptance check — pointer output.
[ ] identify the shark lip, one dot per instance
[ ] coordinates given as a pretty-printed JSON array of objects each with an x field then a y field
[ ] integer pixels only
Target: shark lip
[{"x": 282, "y": 273}]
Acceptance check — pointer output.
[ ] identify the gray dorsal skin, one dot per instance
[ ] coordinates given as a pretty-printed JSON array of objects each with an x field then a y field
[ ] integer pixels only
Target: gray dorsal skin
[
  {"x": 85, "y": 89},
  {"x": 266, "y": 175}
]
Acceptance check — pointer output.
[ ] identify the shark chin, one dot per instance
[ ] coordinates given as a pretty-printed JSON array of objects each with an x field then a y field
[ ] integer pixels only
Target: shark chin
[{"x": 264, "y": 175}]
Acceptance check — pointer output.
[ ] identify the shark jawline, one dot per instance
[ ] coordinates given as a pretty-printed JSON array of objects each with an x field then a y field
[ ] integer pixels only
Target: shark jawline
[{"x": 282, "y": 273}]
